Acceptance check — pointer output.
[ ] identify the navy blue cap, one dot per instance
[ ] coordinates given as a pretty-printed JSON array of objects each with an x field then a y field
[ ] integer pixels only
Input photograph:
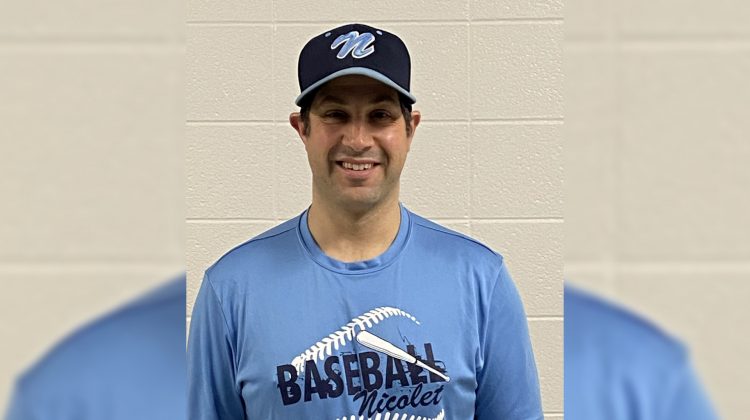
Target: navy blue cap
[{"x": 355, "y": 49}]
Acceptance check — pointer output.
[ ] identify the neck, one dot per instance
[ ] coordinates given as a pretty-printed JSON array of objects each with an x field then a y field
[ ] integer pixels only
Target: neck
[{"x": 348, "y": 235}]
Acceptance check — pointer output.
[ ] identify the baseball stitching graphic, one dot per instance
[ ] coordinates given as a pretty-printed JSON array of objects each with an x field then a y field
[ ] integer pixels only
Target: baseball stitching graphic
[
  {"x": 395, "y": 416},
  {"x": 346, "y": 334}
]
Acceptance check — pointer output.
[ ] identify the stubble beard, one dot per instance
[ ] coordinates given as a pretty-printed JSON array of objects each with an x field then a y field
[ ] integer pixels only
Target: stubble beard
[{"x": 355, "y": 199}]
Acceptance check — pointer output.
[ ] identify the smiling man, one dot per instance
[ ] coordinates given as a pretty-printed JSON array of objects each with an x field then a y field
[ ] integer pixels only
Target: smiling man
[
  {"x": 357, "y": 134},
  {"x": 358, "y": 308}
]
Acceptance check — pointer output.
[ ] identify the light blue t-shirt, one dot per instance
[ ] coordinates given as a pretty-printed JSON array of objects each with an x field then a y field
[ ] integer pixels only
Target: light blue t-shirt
[
  {"x": 127, "y": 365},
  {"x": 433, "y": 328},
  {"x": 620, "y": 367}
]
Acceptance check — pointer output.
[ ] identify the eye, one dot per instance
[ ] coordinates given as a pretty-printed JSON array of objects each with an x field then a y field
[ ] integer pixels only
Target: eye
[
  {"x": 335, "y": 115},
  {"x": 381, "y": 114}
]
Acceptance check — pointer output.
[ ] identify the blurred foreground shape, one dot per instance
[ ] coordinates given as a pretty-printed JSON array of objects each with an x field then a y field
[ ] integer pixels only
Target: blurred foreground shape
[
  {"x": 657, "y": 174},
  {"x": 127, "y": 365},
  {"x": 621, "y": 367},
  {"x": 91, "y": 152}
]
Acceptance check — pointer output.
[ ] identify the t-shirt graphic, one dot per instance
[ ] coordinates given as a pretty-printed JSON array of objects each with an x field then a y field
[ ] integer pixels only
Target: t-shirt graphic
[{"x": 383, "y": 378}]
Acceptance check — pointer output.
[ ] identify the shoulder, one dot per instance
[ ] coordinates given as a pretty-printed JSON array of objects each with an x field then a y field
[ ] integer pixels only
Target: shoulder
[
  {"x": 264, "y": 249},
  {"x": 619, "y": 332},
  {"x": 442, "y": 239},
  {"x": 98, "y": 354}
]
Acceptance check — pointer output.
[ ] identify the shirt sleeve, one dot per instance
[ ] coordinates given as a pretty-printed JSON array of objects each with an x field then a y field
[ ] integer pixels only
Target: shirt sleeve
[
  {"x": 20, "y": 407},
  {"x": 685, "y": 397},
  {"x": 212, "y": 390},
  {"x": 508, "y": 386}
]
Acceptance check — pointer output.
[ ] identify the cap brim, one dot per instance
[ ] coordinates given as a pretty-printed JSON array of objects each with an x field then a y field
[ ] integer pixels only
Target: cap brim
[{"x": 362, "y": 71}]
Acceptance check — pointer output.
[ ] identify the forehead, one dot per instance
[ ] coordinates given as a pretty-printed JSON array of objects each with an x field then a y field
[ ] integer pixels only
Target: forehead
[{"x": 355, "y": 88}]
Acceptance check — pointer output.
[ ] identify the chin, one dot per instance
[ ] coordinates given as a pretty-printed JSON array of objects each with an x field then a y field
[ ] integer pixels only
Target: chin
[{"x": 361, "y": 200}]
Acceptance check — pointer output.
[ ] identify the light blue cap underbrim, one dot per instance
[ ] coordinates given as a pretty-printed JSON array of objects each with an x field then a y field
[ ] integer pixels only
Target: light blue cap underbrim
[{"x": 362, "y": 71}]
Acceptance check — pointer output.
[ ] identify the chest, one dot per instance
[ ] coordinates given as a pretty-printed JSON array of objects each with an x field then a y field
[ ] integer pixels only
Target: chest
[{"x": 374, "y": 348}]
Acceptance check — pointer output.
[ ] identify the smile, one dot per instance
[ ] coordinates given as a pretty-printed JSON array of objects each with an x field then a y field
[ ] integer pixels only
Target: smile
[{"x": 356, "y": 166}]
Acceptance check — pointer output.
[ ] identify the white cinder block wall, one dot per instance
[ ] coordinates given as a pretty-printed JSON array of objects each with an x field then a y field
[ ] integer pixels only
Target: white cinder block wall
[
  {"x": 658, "y": 186},
  {"x": 91, "y": 159},
  {"x": 486, "y": 160}
]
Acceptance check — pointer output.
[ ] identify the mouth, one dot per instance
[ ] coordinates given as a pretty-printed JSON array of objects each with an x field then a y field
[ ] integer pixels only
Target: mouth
[{"x": 356, "y": 167}]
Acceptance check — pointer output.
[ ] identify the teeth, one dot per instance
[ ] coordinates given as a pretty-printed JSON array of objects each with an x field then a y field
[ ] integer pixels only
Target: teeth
[{"x": 356, "y": 166}]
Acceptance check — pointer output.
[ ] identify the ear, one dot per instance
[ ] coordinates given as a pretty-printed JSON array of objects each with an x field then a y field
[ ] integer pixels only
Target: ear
[
  {"x": 416, "y": 117},
  {"x": 296, "y": 122}
]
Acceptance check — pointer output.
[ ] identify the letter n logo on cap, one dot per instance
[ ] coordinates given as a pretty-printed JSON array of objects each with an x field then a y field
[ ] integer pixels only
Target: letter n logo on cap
[{"x": 358, "y": 45}]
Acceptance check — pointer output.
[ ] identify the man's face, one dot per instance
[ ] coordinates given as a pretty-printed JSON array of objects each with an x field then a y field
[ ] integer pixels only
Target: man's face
[{"x": 357, "y": 142}]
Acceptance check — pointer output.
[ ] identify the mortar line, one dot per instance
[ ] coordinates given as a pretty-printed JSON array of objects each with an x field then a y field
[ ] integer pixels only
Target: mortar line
[
  {"x": 469, "y": 143},
  {"x": 229, "y": 122},
  {"x": 545, "y": 318},
  {"x": 274, "y": 101},
  {"x": 219, "y": 220},
  {"x": 72, "y": 47},
  {"x": 84, "y": 264},
  {"x": 614, "y": 218},
  {"x": 686, "y": 45},
  {"x": 682, "y": 266},
  {"x": 511, "y": 219}
]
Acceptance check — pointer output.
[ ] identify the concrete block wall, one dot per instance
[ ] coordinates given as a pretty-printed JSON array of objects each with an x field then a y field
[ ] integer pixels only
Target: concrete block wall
[
  {"x": 486, "y": 160},
  {"x": 90, "y": 166},
  {"x": 656, "y": 158}
]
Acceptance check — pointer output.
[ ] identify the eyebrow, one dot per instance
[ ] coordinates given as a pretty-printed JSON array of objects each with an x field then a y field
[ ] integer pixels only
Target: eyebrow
[{"x": 332, "y": 99}]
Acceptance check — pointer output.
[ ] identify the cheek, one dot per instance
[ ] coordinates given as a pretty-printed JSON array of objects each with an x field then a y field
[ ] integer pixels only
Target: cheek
[
  {"x": 396, "y": 146},
  {"x": 318, "y": 147},
  {"x": 318, "y": 160}
]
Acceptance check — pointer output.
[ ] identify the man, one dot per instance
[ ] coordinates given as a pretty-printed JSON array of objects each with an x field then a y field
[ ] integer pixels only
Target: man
[
  {"x": 620, "y": 367},
  {"x": 127, "y": 365},
  {"x": 359, "y": 308}
]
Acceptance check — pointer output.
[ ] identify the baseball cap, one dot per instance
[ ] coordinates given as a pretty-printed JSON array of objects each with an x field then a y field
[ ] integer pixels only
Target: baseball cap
[{"x": 355, "y": 49}]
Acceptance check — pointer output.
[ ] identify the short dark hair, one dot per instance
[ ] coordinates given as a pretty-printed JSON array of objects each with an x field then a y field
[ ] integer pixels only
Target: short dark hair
[{"x": 306, "y": 104}]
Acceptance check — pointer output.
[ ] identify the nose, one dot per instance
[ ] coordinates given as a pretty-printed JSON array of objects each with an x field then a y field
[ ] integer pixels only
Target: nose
[{"x": 357, "y": 136}]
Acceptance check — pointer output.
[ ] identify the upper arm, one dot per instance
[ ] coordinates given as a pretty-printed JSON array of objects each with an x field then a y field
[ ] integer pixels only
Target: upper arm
[
  {"x": 212, "y": 389},
  {"x": 684, "y": 396},
  {"x": 508, "y": 386}
]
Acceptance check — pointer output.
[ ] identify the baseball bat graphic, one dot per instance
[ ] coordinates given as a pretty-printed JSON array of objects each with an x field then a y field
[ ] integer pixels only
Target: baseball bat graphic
[{"x": 376, "y": 343}]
